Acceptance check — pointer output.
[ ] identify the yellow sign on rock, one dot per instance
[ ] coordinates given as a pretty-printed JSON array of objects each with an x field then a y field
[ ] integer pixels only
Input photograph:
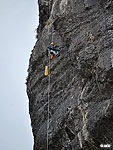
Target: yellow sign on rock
[{"x": 46, "y": 70}]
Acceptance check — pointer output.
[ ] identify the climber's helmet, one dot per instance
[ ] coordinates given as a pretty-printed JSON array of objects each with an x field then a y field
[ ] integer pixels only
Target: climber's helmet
[{"x": 52, "y": 44}]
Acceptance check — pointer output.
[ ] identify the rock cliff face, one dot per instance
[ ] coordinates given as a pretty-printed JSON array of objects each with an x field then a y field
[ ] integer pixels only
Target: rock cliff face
[{"x": 81, "y": 78}]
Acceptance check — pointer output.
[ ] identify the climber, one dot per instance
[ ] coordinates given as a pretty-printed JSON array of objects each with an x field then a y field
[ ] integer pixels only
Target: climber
[{"x": 53, "y": 50}]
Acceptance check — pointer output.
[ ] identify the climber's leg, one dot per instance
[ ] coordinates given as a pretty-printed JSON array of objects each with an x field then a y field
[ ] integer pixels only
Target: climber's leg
[{"x": 52, "y": 56}]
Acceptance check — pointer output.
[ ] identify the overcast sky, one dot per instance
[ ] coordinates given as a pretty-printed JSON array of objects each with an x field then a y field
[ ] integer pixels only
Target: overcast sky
[{"x": 18, "y": 23}]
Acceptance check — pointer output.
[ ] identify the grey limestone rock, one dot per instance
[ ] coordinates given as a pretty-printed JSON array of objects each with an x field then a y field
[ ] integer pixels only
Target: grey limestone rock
[{"x": 81, "y": 78}]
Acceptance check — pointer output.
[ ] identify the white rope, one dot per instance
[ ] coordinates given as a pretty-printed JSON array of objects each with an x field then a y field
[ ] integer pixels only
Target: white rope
[
  {"x": 49, "y": 82},
  {"x": 48, "y": 104},
  {"x": 48, "y": 87}
]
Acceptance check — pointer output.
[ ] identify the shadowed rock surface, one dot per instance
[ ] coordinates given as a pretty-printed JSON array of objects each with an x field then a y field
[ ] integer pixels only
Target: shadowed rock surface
[{"x": 81, "y": 78}]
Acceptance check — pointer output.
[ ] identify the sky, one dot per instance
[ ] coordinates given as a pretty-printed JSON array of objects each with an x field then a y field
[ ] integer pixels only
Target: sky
[{"x": 18, "y": 23}]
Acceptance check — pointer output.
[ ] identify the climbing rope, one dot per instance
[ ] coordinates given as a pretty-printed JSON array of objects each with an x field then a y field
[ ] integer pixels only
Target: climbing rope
[
  {"x": 49, "y": 82},
  {"x": 48, "y": 103},
  {"x": 48, "y": 86}
]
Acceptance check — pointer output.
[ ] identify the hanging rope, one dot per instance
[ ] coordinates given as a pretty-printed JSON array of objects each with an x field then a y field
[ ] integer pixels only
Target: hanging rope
[
  {"x": 48, "y": 86},
  {"x": 49, "y": 82},
  {"x": 48, "y": 103}
]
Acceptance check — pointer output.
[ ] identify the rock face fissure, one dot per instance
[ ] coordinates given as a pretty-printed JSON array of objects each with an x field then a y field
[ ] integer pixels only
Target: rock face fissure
[{"x": 81, "y": 78}]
